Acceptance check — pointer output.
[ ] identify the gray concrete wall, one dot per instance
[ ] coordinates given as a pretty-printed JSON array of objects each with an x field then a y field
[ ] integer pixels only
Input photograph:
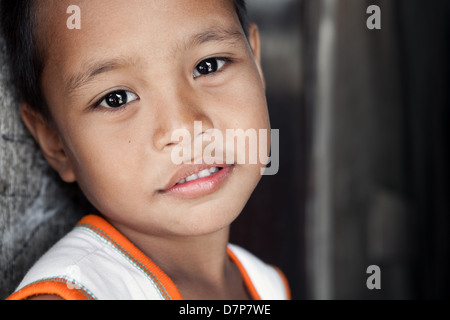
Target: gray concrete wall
[{"x": 36, "y": 209}]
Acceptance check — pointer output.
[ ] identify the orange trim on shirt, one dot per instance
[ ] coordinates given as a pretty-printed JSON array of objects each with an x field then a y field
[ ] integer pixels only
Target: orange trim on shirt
[
  {"x": 247, "y": 281},
  {"x": 56, "y": 286},
  {"x": 160, "y": 278}
]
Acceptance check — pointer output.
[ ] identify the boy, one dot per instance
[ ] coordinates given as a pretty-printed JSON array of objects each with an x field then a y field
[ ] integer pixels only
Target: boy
[{"x": 102, "y": 101}]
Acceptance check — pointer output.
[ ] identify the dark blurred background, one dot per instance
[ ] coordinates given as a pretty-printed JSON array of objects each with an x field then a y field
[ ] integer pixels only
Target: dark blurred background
[{"x": 364, "y": 133}]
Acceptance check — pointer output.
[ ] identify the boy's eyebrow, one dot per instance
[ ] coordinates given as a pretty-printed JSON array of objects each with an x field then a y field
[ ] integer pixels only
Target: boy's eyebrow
[
  {"x": 231, "y": 35},
  {"x": 215, "y": 34},
  {"x": 94, "y": 69}
]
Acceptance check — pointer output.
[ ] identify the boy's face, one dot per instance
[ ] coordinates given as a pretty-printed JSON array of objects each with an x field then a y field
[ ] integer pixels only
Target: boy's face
[{"x": 119, "y": 87}]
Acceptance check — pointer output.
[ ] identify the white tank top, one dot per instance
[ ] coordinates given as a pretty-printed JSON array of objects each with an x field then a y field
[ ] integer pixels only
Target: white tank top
[{"x": 95, "y": 261}]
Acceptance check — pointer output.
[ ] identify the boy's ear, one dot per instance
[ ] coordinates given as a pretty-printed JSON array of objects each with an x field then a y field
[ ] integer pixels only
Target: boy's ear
[
  {"x": 48, "y": 139},
  {"x": 255, "y": 44}
]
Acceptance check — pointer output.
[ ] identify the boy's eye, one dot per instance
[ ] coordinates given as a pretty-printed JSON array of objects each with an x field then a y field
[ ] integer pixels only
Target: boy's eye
[
  {"x": 209, "y": 66},
  {"x": 117, "y": 99}
]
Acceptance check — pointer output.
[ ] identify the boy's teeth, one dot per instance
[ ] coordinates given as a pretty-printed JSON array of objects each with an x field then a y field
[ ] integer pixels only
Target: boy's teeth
[
  {"x": 191, "y": 178},
  {"x": 213, "y": 170},
  {"x": 201, "y": 174},
  {"x": 204, "y": 173}
]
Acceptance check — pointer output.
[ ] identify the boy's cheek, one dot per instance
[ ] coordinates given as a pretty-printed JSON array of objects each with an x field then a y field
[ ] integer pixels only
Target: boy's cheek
[{"x": 242, "y": 101}]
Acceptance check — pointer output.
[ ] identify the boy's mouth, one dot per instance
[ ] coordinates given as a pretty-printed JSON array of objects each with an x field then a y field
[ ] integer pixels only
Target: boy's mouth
[{"x": 197, "y": 180}]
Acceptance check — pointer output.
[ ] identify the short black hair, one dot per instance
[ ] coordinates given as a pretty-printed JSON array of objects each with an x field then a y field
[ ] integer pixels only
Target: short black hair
[
  {"x": 18, "y": 21},
  {"x": 25, "y": 61}
]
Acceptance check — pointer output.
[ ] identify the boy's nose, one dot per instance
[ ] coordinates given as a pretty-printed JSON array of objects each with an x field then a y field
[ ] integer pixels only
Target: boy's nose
[{"x": 179, "y": 112}]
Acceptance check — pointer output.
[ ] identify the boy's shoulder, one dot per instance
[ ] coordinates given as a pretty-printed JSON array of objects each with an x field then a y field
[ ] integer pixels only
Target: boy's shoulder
[
  {"x": 95, "y": 261},
  {"x": 268, "y": 281}
]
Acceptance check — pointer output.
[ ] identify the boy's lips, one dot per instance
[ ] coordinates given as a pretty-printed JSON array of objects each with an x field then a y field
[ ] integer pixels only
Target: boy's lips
[{"x": 192, "y": 181}]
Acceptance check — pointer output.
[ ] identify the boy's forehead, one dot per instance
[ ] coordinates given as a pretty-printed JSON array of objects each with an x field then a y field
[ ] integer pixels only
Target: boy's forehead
[
  {"x": 159, "y": 26},
  {"x": 158, "y": 18}
]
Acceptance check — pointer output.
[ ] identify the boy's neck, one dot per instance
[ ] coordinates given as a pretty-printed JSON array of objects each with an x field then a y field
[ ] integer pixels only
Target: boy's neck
[{"x": 199, "y": 266}]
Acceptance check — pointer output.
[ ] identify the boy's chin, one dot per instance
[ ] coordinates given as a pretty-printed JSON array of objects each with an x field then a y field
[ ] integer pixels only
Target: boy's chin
[
  {"x": 205, "y": 222},
  {"x": 223, "y": 207}
]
